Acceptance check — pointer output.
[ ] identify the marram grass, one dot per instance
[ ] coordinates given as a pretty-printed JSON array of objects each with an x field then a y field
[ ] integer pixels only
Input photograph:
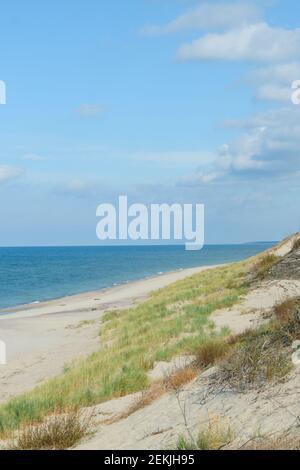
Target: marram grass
[{"x": 175, "y": 320}]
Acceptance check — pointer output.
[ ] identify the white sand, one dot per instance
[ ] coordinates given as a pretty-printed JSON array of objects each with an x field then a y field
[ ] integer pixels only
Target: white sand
[
  {"x": 248, "y": 313},
  {"x": 272, "y": 412},
  {"x": 42, "y": 338},
  {"x": 286, "y": 246}
]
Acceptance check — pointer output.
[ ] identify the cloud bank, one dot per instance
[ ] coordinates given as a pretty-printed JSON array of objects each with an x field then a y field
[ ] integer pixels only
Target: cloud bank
[
  {"x": 256, "y": 42},
  {"x": 208, "y": 16}
]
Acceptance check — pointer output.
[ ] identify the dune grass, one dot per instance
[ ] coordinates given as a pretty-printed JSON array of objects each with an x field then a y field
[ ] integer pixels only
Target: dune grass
[
  {"x": 60, "y": 431},
  {"x": 264, "y": 355},
  {"x": 212, "y": 351},
  {"x": 264, "y": 264},
  {"x": 296, "y": 244},
  {"x": 175, "y": 320},
  {"x": 215, "y": 437}
]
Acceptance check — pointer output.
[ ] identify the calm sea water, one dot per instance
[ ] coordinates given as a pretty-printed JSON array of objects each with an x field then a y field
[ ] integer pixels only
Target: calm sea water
[{"x": 35, "y": 274}]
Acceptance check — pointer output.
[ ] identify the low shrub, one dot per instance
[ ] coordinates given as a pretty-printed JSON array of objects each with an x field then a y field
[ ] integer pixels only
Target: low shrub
[
  {"x": 212, "y": 351},
  {"x": 262, "y": 267},
  {"x": 58, "y": 432},
  {"x": 215, "y": 437}
]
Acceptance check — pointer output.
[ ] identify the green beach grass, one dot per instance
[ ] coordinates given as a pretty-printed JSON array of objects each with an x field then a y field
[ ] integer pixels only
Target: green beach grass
[{"x": 175, "y": 320}]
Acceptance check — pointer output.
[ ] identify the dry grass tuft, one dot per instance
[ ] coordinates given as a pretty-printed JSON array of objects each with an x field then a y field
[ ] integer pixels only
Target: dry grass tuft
[
  {"x": 239, "y": 337},
  {"x": 254, "y": 364},
  {"x": 147, "y": 397},
  {"x": 283, "y": 310},
  {"x": 215, "y": 437},
  {"x": 296, "y": 244},
  {"x": 264, "y": 354},
  {"x": 211, "y": 352},
  {"x": 181, "y": 377},
  {"x": 262, "y": 267},
  {"x": 286, "y": 326},
  {"x": 58, "y": 432}
]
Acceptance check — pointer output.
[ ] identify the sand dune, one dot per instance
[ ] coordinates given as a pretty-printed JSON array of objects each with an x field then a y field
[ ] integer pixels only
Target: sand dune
[{"x": 42, "y": 338}]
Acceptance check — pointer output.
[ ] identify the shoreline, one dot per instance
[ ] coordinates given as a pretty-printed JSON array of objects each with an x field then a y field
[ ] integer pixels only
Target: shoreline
[
  {"x": 178, "y": 274},
  {"x": 41, "y": 339},
  {"x": 38, "y": 289}
]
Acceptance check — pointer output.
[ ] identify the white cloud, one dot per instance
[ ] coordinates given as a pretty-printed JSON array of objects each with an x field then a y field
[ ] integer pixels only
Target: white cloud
[
  {"x": 8, "y": 173},
  {"x": 256, "y": 42},
  {"x": 209, "y": 16},
  {"x": 274, "y": 82},
  {"x": 274, "y": 92},
  {"x": 241, "y": 156},
  {"x": 282, "y": 133},
  {"x": 236, "y": 31},
  {"x": 283, "y": 73},
  {"x": 90, "y": 110},
  {"x": 270, "y": 143},
  {"x": 268, "y": 147}
]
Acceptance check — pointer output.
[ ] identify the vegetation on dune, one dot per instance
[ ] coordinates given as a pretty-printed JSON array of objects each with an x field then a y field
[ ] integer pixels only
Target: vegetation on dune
[
  {"x": 296, "y": 244},
  {"x": 264, "y": 354},
  {"x": 175, "y": 320},
  {"x": 221, "y": 438},
  {"x": 215, "y": 437},
  {"x": 263, "y": 265},
  {"x": 252, "y": 360},
  {"x": 58, "y": 432},
  {"x": 212, "y": 351},
  {"x": 171, "y": 383}
]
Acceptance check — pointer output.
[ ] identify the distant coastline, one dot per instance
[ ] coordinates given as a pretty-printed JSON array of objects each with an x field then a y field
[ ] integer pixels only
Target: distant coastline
[{"x": 38, "y": 274}]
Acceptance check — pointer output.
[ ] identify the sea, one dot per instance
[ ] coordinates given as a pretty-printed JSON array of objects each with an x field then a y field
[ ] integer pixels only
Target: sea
[{"x": 32, "y": 275}]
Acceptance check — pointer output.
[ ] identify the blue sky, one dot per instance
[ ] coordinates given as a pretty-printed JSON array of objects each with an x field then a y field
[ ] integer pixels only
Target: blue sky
[{"x": 163, "y": 100}]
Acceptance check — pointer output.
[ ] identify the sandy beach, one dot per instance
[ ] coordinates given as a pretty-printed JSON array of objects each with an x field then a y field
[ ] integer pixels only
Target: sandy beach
[{"x": 43, "y": 338}]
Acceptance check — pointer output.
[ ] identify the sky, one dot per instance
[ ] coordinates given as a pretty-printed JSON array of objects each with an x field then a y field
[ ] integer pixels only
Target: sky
[{"x": 162, "y": 100}]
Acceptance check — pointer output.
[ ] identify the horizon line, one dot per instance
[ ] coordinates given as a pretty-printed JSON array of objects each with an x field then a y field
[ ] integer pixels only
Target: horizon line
[{"x": 136, "y": 245}]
